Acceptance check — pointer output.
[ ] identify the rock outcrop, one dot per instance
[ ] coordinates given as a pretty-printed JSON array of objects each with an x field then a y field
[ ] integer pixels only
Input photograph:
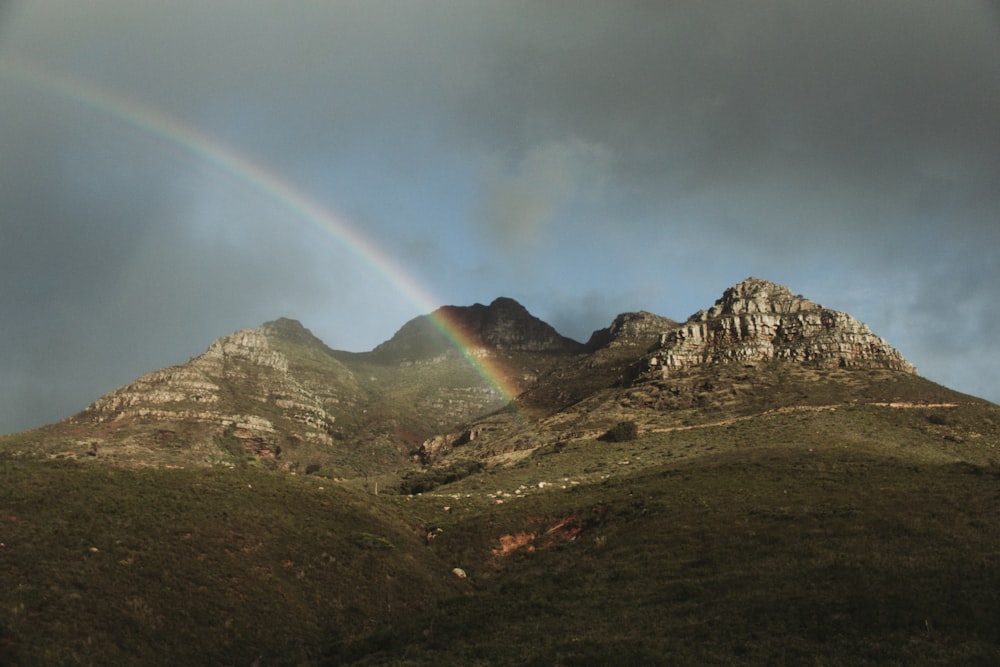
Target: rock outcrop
[
  {"x": 246, "y": 388},
  {"x": 436, "y": 448},
  {"x": 631, "y": 329},
  {"x": 760, "y": 321}
]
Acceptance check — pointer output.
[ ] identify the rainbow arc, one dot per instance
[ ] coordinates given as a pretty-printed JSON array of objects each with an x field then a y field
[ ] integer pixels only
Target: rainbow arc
[{"x": 210, "y": 151}]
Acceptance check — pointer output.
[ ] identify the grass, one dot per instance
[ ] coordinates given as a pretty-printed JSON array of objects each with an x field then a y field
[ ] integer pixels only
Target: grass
[
  {"x": 779, "y": 557},
  {"x": 767, "y": 549},
  {"x": 105, "y": 566},
  {"x": 831, "y": 532}
]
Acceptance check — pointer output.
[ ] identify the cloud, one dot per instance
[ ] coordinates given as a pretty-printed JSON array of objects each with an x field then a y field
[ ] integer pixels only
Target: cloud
[
  {"x": 519, "y": 204},
  {"x": 726, "y": 98}
]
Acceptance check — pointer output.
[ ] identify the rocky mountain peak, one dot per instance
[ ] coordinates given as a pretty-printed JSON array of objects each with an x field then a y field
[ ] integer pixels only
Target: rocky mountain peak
[
  {"x": 246, "y": 345},
  {"x": 289, "y": 330},
  {"x": 262, "y": 391},
  {"x": 502, "y": 325},
  {"x": 631, "y": 329},
  {"x": 757, "y": 320},
  {"x": 507, "y": 325},
  {"x": 755, "y": 295}
]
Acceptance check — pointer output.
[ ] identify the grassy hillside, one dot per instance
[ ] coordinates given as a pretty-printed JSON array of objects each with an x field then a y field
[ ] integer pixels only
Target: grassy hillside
[
  {"x": 857, "y": 535},
  {"x": 111, "y": 566},
  {"x": 776, "y": 556}
]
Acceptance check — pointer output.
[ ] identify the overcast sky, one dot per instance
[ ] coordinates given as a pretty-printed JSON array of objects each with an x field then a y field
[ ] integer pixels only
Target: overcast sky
[{"x": 584, "y": 158}]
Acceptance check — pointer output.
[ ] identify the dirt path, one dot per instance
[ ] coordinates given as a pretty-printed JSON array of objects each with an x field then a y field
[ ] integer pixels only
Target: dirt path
[{"x": 900, "y": 405}]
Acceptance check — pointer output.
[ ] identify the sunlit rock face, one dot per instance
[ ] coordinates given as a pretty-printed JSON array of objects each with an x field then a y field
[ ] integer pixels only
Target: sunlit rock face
[
  {"x": 247, "y": 345},
  {"x": 757, "y": 321},
  {"x": 237, "y": 376}
]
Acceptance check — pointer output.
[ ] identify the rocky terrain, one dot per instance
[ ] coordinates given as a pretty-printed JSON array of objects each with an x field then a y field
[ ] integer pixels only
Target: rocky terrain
[
  {"x": 759, "y": 321},
  {"x": 630, "y": 330},
  {"x": 758, "y": 348},
  {"x": 277, "y": 396},
  {"x": 257, "y": 392}
]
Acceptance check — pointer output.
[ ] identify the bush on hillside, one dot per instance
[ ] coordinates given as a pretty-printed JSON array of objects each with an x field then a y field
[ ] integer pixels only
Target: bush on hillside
[
  {"x": 622, "y": 432},
  {"x": 421, "y": 481}
]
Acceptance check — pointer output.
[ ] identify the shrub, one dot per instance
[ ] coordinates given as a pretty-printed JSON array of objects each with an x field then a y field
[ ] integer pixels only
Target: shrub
[
  {"x": 940, "y": 419},
  {"x": 430, "y": 478},
  {"x": 622, "y": 431}
]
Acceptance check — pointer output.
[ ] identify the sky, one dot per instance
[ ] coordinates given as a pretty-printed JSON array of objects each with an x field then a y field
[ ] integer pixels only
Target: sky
[{"x": 173, "y": 172}]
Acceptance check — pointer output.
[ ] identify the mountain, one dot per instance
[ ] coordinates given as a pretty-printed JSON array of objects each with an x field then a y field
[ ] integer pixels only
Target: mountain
[
  {"x": 277, "y": 396},
  {"x": 257, "y": 393},
  {"x": 759, "y": 349},
  {"x": 757, "y": 320},
  {"x": 504, "y": 325},
  {"x": 630, "y": 330},
  {"x": 766, "y": 482}
]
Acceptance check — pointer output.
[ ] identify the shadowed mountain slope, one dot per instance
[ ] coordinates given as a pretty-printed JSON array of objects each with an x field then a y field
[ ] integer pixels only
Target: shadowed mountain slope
[{"x": 504, "y": 325}]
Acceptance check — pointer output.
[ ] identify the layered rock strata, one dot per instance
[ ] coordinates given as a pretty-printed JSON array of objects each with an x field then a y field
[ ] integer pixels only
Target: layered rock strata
[
  {"x": 227, "y": 387},
  {"x": 760, "y": 321}
]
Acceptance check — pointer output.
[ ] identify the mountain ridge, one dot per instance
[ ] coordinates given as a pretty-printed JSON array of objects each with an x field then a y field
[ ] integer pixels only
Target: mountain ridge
[{"x": 278, "y": 396}]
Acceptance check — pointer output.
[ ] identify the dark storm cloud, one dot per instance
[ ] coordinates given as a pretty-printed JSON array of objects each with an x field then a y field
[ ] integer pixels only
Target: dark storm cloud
[
  {"x": 99, "y": 281},
  {"x": 837, "y": 100},
  {"x": 773, "y": 98},
  {"x": 644, "y": 154}
]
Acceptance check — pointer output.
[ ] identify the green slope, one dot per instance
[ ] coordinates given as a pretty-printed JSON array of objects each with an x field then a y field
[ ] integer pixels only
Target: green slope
[
  {"x": 167, "y": 567},
  {"x": 773, "y": 557},
  {"x": 859, "y": 535}
]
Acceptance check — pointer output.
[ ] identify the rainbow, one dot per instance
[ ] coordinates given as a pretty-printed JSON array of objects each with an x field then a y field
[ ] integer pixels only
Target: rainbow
[{"x": 272, "y": 186}]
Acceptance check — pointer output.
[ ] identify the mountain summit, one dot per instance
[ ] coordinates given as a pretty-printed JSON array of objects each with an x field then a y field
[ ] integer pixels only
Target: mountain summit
[
  {"x": 504, "y": 325},
  {"x": 757, "y": 320},
  {"x": 255, "y": 391}
]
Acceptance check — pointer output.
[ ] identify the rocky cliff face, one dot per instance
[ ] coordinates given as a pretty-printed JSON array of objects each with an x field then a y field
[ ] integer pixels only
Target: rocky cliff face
[
  {"x": 247, "y": 389},
  {"x": 631, "y": 329},
  {"x": 758, "y": 321}
]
